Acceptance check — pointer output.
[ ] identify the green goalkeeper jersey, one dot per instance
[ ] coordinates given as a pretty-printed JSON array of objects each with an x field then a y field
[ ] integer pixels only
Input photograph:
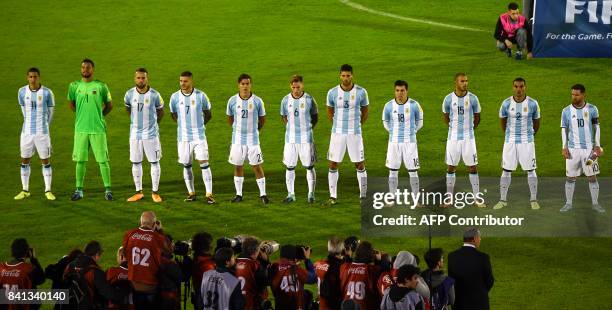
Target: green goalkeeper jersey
[{"x": 89, "y": 98}]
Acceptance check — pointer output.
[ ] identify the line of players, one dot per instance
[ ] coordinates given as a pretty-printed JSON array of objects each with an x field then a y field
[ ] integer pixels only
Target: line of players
[{"x": 347, "y": 107}]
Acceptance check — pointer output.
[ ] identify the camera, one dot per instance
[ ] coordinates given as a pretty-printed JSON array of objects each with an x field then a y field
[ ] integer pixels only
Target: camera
[
  {"x": 234, "y": 243},
  {"x": 269, "y": 247},
  {"x": 182, "y": 248}
]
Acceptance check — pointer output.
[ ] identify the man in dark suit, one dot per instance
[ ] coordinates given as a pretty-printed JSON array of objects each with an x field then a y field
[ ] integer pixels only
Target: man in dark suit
[{"x": 472, "y": 272}]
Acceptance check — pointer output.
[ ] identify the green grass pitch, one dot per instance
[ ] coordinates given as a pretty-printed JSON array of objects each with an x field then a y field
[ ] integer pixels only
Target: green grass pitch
[{"x": 271, "y": 40}]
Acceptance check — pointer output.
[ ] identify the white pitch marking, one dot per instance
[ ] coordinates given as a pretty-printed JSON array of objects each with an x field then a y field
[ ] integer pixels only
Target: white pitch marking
[{"x": 410, "y": 19}]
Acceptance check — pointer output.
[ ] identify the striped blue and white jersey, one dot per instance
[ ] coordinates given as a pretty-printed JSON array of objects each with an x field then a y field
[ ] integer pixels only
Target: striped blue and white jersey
[
  {"x": 461, "y": 113},
  {"x": 190, "y": 118},
  {"x": 246, "y": 113},
  {"x": 143, "y": 113},
  {"x": 402, "y": 120},
  {"x": 579, "y": 126},
  {"x": 347, "y": 108},
  {"x": 298, "y": 112},
  {"x": 520, "y": 116},
  {"x": 35, "y": 107}
]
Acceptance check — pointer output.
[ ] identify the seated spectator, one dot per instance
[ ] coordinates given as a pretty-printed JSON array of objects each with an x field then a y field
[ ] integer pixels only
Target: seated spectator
[
  {"x": 402, "y": 294},
  {"x": 513, "y": 28},
  {"x": 118, "y": 278},
  {"x": 328, "y": 274},
  {"x": 442, "y": 287},
  {"x": 287, "y": 279},
  {"x": 202, "y": 262},
  {"x": 84, "y": 270},
  {"x": 23, "y": 271},
  {"x": 388, "y": 278},
  {"x": 358, "y": 279},
  {"x": 220, "y": 288}
]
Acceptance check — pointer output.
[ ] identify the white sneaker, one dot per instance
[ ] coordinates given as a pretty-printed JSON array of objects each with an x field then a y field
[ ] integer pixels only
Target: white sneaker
[{"x": 566, "y": 208}]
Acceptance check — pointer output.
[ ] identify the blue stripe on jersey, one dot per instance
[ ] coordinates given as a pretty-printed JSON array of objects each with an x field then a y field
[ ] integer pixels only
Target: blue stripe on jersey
[
  {"x": 346, "y": 101},
  {"x": 33, "y": 111},
  {"x": 296, "y": 120},
  {"x": 199, "y": 108},
  {"x": 461, "y": 120},
  {"x": 581, "y": 132}
]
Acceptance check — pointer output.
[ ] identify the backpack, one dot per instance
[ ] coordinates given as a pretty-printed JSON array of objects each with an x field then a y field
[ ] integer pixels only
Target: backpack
[
  {"x": 80, "y": 295},
  {"x": 438, "y": 299}
]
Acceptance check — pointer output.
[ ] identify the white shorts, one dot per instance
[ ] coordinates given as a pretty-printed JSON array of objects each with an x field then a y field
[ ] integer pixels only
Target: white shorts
[
  {"x": 42, "y": 144},
  {"x": 151, "y": 148},
  {"x": 406, "y": 152},
  {"x": 463, "y": 149},
  {"x": 338, "y": 144},
  {"x": 577, "y": 164},
  {"x": 523, "y": 153},
  {"x": 187, "y": 148},
  {"x": 305, "y": 151},
  {"x": 238, "y": 153}
]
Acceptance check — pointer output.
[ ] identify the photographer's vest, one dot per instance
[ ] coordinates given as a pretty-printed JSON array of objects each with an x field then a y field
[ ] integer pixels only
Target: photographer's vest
[{"x": 510, "y": 27}]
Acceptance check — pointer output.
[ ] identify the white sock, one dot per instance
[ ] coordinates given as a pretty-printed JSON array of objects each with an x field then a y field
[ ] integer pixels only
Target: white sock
[
  {"x": 155, "y": 175},
  {"x": 362, "y": 179},
  {"x": 207, "y": 177},
  {"x": 504, "y": 184},
  {"x": 569, "y": 191},
  {"x": 290, "y": 180},
  {"x": 332, "y": 178},
  {"x": 25, "y": 177},
  {"x": 532, "y": 180},
  {"x": 261, "y": 183},
  {"x": 450, "y": 183},
  {"x": 238, "y": 184},
  {"x": 311, "y": 178},
  {"x": 188, "y": 176},
  {"x": 137, "y": 175},
  {"x": 414, "y": 182},
  {"x": 393, "y": 181},
  {"x": 475, "y": 183},
  {"x": 594, "y": 187},
  {"x": 47, "y": 176}
]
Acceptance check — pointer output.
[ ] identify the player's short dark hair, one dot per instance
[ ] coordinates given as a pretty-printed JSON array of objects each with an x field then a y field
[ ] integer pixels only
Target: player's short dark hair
[
  {"x": 20, "y": 248},
  {"x": 364, "y": 253},
  {"x": 351, "y": 243},
  {"x": 142, "y": 70},
  {"x": 458, "y": 74},
  {"x": 201, "y": 243},
  {"x": 520, "y": 79},
  {"x": 244, "y": 76},
  {"x": 93, "y": 248},
  {"x": 223, "y": 255},
  {"x": 513, "y": 6},
  {"x": 88, "y": 61},
  {"x": 433, "y": 256},
  {"x": 34, "y": 69},
  {"x": 296, "y": 78},
  {"x": 288, "y": 251},
  {"x": 250, "y": 245},
  {"x": 401, "y": 83},
  {"x": 406, "y": 272},
  {"x": 187, "y": 74},
  {"x": 579, "y": 87},
  {"x": 346, "y": 68}
]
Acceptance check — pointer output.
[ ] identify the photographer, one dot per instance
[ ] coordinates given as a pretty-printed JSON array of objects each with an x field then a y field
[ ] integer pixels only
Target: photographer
[
  {"x": 23, "y": 271},
  {"x": 358, "y": 279},
  {"x": 89, "y": 288},
  {"x": 143, "y": 248},
  {"x": 220, "y": 289},
  {"x": 202, "y": 262},
  {"x": 169, "y": 276},
  {"x": 350, "y": 245},
  {"x": 287, "y": 278},
  {"x": 251, "y": 270},
  {"x": 117, "y": 277},
  {"x": 328, "y": 274}
]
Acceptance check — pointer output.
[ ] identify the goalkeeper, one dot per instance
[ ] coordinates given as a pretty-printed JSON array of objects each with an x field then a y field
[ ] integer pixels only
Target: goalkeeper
[{"x": 91, "y": 100}]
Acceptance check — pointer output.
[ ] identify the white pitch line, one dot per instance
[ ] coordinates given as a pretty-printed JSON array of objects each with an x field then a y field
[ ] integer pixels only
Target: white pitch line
[{"x": 410, "y": 19}]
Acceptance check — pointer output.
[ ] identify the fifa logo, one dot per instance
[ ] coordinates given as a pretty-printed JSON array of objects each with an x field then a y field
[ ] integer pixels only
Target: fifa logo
[{"x": 592, "y": 8}]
